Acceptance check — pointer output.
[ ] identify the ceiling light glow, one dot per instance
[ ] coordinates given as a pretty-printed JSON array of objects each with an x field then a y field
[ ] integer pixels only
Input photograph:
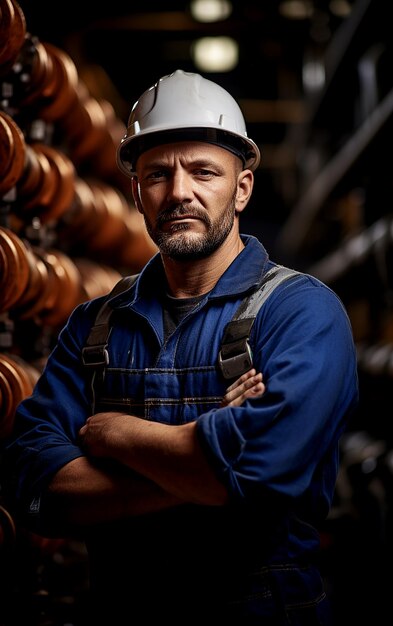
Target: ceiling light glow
[
  {"x": 296, "y": 9},
  {"x": 313, "y": 75},
  {"x": 341, "y": 8},
  {"x": 210, "y": 10},
  {"x": 215, "y": 54}
]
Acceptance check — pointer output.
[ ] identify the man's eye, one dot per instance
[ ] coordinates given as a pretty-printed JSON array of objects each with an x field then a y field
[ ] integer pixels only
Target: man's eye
[
  {"x": 157, "y": 174},
  {"x": 204, "y": 173}
]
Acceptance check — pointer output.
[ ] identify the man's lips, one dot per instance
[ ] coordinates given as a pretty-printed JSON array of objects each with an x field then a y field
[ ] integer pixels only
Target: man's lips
[
  {"x": 186, "y": 216},
  {"x": 170, "y": 221}
]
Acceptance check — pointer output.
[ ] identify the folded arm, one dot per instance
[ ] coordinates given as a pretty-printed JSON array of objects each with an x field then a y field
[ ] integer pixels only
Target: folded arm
[
  {"x": 133, "y": 466},
  {"x": 83, "y": 493}
]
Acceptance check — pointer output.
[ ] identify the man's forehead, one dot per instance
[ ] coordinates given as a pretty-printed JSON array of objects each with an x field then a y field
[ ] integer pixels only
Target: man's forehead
[{"x": 199, "y": 151}]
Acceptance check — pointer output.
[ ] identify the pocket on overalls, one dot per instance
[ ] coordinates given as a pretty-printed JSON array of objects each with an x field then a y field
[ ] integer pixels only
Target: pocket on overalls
[
  {"x": 300, "y": 596},
  {"x": 252, "y": 601},
  {"x": 282, "y": 595}
]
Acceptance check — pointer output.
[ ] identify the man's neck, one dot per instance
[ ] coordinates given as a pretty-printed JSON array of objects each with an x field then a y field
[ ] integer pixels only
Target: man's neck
[{"x": 194, "y": 278}]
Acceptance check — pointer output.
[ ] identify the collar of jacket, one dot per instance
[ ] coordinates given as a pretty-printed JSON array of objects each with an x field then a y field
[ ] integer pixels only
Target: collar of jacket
[{"x": 242, "y": 276}]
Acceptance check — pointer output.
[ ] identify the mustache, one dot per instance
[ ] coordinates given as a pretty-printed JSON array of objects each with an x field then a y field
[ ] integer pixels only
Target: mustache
[{"x": 180, "y": 210}]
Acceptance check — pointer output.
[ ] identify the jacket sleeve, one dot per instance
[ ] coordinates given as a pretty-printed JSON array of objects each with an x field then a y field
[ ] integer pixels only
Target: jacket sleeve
[
  {"x": 286, "y": 442},
  {"x": 47, "y": 423}
]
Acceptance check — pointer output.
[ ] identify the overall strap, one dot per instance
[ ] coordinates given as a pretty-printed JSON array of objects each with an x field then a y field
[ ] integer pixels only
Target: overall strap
[
  {"x": 95, "y": 353},
  {"x": 235, "y": 356}
]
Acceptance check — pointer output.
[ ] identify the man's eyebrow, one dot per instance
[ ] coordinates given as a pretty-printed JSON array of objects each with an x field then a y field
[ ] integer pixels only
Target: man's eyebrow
[
  {"x": 204, "y": 162},
  {"x": 155, "y": 164},
  {"x": 199, "y": 162}
]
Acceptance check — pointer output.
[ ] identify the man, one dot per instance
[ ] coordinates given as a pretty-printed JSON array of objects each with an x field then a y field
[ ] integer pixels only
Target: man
[{"x": 192, "y": 507}]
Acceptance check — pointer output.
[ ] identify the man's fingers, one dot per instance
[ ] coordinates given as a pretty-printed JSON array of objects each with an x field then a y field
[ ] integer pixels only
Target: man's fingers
[
  {"x": 254, "y": 391},
  {"x": 246, "y": 386},
  {"x": 243, "y": 378}
]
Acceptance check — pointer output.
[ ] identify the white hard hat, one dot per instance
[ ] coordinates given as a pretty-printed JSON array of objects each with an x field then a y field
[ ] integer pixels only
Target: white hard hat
[{"x": 185, "y": 107}]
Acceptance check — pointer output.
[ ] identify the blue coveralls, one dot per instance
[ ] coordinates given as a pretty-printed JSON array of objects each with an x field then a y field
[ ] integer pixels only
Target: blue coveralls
[{"x": 252, "y": 561}]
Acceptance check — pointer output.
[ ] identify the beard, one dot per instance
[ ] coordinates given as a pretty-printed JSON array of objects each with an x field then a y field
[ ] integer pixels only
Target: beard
[{"x": 180, "y": 242}]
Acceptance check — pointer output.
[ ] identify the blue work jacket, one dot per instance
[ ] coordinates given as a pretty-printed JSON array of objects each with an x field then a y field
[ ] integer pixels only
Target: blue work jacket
[{"x": 278, "y": 455}]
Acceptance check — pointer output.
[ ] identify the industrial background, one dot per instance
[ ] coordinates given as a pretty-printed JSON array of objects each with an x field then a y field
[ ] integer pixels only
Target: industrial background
[{"x": 314, "y": 80}]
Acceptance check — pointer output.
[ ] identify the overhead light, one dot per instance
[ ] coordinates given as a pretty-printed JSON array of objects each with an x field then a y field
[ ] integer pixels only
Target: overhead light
[
  {"x": 210, "y": 10},
  {"x": 341, "y": 8},
  {"x": 215, "y": 54},
  {"x": 296, "y": 9},
  {"x": 313, "y": 74}
]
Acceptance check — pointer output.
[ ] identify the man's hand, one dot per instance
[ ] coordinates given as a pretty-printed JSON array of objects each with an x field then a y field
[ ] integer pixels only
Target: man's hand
[
  {"x": 103, "y": 432},
  {"x": 168, "y": 455},
  {"x": 249, "y": 385}
]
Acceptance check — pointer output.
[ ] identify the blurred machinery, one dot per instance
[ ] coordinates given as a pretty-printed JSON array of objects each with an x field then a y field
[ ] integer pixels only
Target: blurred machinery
[{"x": 68, "y": 232}]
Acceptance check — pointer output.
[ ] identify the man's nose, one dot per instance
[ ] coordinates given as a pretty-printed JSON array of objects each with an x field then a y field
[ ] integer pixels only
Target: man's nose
[{"x": 180, "y": 188}]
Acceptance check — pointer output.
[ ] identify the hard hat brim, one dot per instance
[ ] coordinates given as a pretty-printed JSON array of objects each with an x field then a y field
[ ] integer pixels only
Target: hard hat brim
[{"x": 132, "y": 147}]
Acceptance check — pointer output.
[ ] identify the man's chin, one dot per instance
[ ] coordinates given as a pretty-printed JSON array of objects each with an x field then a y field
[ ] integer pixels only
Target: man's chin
[
  {"x": 182, "y": 239},
  {"x": 184, "y": 248}
]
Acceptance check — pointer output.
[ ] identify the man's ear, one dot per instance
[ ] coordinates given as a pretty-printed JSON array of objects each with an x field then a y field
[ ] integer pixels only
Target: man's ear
[
  {"x": 136, "y": 193},
  {"x": 245, "y": 184}
]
